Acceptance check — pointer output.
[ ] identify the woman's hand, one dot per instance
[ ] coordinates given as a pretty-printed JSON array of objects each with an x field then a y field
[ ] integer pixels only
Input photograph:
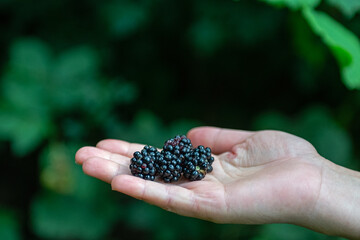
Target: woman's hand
[{"x": 258, "y": 177}]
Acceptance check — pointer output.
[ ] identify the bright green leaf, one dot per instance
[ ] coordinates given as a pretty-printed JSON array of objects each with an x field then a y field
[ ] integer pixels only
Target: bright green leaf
[
  {"x": 342, "y": 42},
  {"x": 348, "y": 7},
  {"x": 294, "y": 4}
]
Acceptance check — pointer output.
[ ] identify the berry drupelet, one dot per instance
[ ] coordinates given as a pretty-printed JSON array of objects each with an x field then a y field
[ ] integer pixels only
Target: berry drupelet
[
  {"x": 198, "y": 163},
  {"x": 143, "y": 165}
]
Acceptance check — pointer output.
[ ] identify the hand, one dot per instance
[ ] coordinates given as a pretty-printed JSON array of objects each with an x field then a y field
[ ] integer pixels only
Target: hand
[{"x": 258, "y": 177}]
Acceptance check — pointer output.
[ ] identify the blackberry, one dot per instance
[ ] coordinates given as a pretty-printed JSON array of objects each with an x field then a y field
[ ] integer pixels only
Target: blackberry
[
  {"x": 178, "y": 157},
  {"x": 175, "y": 150},
  {"x": 198, "y": 163},
  {"x": 169, "y": 166},
  {"x": 143, "y": 165},
  {"x": 179, "y": 145}
]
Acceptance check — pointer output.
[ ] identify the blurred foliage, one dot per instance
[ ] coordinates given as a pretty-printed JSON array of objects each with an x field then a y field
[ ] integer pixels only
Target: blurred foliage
[
  {"x": 348, "y": 7},
  {"x": 344, "y": 44},
  {"x": 73, "y": 73},
  {"x": 294, "y": 4},
  {"x": 290, "y": 232},
  {"x": 9, "y": 226},
  {"x": 318, "y": 127}
]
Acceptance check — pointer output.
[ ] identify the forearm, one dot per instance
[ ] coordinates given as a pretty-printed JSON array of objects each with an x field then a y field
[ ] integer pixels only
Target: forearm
[{"x": 337, "y": 209}]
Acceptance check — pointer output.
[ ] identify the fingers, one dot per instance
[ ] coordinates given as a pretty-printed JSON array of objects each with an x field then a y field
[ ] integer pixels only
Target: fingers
[
  {"x": 167, "y": 196},
  {"x": 85, "y": 153},
  {"x": 103, "y": 169},
  {"x": 109, "y": 162},
  {"x": 120, "y": 147},
  {"x": 108, "y": 159},
  {"x": 103, "y": 164},
  {"x": 218, "y": 139}
]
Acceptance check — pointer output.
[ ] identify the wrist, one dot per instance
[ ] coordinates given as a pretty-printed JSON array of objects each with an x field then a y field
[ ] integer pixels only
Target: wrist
[{"x": 337, "y": 208}]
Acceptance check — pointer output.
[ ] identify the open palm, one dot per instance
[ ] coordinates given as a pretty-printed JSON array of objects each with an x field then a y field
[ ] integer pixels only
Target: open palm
[{"x": 258, "y": 177}]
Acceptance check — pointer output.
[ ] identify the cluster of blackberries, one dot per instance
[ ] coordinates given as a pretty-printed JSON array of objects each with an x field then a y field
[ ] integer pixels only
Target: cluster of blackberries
[
  {"x": 178, "y": 157},
  {"x": 143, "y": 163}
]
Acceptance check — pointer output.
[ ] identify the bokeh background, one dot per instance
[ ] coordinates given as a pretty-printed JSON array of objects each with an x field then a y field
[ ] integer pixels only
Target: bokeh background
[{"x": 75, "y": 72}]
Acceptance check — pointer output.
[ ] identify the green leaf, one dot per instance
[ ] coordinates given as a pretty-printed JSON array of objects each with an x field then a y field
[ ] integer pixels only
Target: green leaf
[
  {"x": 294, "y": 4},
  {"x": 125, "y": 17},
  {"x": 26, "y": 131},
  {"x": 348, "y": 7},
  {"x": 207, "y": 36},
  {"x": 31, "y": 59},
  {"x": 76, "y": 66},
  {"x": 23, "y": 95},
  {"x": 9, "y": 226},
  {"x": 64, "y": 217},
  {"x": 24, "y": 84},
  {"x": 29, "y": 135},
  {"x": 74, "y": 77},
  {"x": 342, "y": 42},
  {"x": 25, "y": 106},
  {"x": 331, "y": 141},
  {"x": 306, "y": 43}
]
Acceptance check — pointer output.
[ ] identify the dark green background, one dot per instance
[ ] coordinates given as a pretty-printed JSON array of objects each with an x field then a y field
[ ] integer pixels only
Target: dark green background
[{"x": 75, "y": 72}]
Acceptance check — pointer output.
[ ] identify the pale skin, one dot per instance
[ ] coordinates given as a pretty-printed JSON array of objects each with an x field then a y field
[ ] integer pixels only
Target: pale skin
[{"x": 258, "y": 177}]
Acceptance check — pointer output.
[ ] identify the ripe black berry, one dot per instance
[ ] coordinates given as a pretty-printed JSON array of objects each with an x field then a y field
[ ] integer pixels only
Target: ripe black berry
[
  {"x": 198, "y": 163},
  {"x": 169, "y": 166},
  {"x": 178, "y": 157},
  {"x": 179, "y": 145},
  {"x": 143, "y": 165},
  {"x": 173, "y": 154}
]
